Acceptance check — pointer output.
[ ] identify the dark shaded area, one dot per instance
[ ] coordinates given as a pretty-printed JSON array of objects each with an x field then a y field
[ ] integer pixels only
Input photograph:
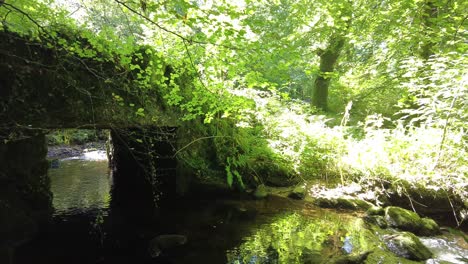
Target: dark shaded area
[
  {"x": 25, "y": 197},
  {"x": 143, "y": 171}
]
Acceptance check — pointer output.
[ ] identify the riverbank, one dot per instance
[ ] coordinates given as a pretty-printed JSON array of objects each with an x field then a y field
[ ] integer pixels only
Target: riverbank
[{"x": 67, "y": 151}]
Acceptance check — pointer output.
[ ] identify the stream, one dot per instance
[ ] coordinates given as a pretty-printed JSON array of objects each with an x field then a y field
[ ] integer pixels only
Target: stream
[{"x": 273, "y": 230}]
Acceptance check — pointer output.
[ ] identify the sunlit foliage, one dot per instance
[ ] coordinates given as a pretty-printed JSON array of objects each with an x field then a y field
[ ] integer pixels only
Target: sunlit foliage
[{"x": 396, "y": 90}]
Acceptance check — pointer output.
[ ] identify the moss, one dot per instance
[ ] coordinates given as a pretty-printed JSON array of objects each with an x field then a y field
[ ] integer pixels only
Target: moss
[{"x": 428, "y": 227}]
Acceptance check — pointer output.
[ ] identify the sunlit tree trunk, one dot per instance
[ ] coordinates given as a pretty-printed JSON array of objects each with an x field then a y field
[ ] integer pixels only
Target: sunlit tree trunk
[{"x": 328, "y": 60}]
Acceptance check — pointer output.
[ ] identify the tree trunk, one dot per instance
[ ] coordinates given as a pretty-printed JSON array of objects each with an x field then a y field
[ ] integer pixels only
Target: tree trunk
[
  {"x": 328, "y": 60},
  {"x": 430, "y": 13}
]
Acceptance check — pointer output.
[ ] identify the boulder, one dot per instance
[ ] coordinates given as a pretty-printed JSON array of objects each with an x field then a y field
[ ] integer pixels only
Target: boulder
[
  {"x": 164, "y": 242},
  {"x": 407, "y": 245},
  {"x": 403, "y": 219}
]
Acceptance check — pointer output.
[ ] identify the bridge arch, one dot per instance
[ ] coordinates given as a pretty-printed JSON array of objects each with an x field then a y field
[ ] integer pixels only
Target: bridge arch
[{"x": 43, "y": 88}]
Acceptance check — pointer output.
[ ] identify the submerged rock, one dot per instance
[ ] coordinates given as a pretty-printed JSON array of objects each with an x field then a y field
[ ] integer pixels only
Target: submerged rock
[
  {"x": 407, "y": 245},
  {"x": 54, "y": 163},
  {"x": 260, "y": 192},
  {"x": 164, "y": 242}
]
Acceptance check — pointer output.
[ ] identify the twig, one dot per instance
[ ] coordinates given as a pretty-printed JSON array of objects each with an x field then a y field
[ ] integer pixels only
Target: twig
[
  {"x": 168, "y": 30},
  {"x": 26, "y": 15}
]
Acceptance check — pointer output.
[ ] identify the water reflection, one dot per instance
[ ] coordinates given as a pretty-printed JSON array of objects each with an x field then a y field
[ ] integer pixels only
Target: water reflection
[
  {"x": 295, "y": 238},
  {"x": 79, "y": 185}
]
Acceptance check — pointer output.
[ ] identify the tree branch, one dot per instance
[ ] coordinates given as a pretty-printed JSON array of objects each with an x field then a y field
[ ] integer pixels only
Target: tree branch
[{"x": 168, "y": 30}]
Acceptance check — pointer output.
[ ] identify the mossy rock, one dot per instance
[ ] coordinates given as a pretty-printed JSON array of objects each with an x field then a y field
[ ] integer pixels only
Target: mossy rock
[
  {"x": 325, "y": 202},
  {"x": 260, "y": 192},
  {"x": 428, "y": 227},
  {"x": 298, "y": 193},
  {"x": 383, "y": 256},
  {"x": 410, "y": 221},
  {"x": 352, "y": 204},
  {"x": 403, "y": 219},
  {"x": 376, "y": 220},
  {"x": 375, "y": 210},
  {"x": 407, "y": 245},
  {"x": 342, "y": 203},
  {"x": 351, "y": 259}
]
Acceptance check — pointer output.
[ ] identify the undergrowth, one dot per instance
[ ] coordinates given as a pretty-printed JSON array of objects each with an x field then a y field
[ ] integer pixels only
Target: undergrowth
[{"x": 405, "y": 155}]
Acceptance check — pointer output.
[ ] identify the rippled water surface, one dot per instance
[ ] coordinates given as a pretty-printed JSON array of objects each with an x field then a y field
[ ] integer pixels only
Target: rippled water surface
[{"x": 81, "y": 183}]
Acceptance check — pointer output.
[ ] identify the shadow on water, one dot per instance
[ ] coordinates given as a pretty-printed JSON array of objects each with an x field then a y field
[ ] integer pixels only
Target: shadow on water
[
  {"x": 80, "y": 187},
  {"x": 273, "y": 230}
]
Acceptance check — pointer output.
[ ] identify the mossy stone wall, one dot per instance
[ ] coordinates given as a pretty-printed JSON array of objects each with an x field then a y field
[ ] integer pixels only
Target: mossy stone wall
[{"x": 25, "y": 196}]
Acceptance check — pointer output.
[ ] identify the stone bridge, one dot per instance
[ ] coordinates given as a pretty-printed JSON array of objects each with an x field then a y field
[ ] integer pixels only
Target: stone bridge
[{"x": 44, "y": 87}]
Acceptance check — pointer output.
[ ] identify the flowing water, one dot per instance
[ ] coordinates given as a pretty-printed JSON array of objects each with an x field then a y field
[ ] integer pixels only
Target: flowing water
[{"x": 234, "y": 231}]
